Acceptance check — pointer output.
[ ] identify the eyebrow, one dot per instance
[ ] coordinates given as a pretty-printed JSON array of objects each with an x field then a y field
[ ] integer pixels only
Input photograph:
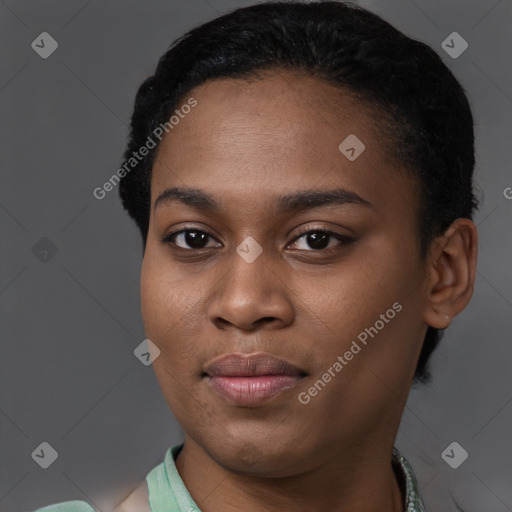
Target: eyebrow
[{"x": 285, "y": 204}]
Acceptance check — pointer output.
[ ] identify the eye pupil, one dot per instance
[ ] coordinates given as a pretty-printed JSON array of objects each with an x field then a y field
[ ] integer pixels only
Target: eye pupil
[
  {"x": 318, "y": 240},
  {"x": 193, "y": 236}
]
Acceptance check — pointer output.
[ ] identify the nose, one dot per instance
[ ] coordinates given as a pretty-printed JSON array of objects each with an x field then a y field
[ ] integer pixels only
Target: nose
[{"x": 252, "y": 296}]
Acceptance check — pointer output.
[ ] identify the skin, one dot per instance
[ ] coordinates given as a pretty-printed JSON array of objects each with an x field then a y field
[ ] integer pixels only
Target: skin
[{"x": 244, "y": 144}]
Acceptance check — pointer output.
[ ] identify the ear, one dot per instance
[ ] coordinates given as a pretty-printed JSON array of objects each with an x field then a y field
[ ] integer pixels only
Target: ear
[{"x": 451, "y": 273}]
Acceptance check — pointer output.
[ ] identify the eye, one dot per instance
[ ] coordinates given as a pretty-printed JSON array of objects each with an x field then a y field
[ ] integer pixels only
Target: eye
[
  {"x": 319, "y": 239},
  {"x": 194, "y": 238}
]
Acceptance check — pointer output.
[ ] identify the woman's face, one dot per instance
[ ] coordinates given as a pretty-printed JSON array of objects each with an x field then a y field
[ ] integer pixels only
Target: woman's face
[{"x": 255, "y": 283}]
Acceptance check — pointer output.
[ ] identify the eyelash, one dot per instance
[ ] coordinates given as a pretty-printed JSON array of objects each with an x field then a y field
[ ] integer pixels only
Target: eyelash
[{"x": 343, "y": 239}]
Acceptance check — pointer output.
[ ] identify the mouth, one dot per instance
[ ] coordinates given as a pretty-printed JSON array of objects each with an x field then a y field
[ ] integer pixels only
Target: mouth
[{"x": 249, "y": 380}]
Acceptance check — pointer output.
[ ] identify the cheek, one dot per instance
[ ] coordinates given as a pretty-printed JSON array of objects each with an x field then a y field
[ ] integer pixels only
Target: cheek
[
  {"x": 167, "y": 303},
  {"x": 155, "y": 298},
  {"x": 373, "y": 300},
  {"x": 359, "y": 290}
]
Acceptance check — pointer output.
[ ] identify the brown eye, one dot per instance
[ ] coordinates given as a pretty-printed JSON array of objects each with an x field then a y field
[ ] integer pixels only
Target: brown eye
[
  {"x": 193, "y": 238},
  {"x": 319, "y": 239}
]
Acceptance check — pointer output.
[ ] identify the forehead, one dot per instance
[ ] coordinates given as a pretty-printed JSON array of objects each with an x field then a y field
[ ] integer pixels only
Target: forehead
[
  {"x": 281, "y": 110},
  {"x": 282, "y": 131}
]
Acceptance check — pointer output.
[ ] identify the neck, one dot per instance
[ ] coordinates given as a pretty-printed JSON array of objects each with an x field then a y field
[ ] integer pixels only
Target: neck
[{"x": 360, "y": 478}]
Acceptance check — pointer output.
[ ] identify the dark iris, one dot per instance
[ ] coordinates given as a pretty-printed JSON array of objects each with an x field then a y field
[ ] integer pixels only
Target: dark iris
[
  {"x": 318, "y": 240},
  {"x": 196, "y": 238}
]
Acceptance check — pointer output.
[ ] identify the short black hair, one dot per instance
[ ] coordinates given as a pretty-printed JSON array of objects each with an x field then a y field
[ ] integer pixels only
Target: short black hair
[{"x": 343, "y": 44}]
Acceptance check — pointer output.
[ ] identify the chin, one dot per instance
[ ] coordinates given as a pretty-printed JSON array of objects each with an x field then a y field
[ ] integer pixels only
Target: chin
[{"x": 256, "y": 459}]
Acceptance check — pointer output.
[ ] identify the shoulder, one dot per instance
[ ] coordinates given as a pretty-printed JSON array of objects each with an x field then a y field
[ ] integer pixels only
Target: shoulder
[{"x": 136, "y": 501}]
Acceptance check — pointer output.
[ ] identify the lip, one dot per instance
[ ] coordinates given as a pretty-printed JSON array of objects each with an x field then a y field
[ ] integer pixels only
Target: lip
[{"x": 248, "y": 380}]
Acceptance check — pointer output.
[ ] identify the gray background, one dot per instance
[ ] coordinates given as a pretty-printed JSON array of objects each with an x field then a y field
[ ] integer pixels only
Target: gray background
[{"x": 69, "y": 324}]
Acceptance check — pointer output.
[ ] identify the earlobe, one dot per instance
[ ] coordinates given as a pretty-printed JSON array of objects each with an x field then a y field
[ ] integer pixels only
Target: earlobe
[
  {"x": 452, "y": 270},
  {"x": 442, "y": 321}
]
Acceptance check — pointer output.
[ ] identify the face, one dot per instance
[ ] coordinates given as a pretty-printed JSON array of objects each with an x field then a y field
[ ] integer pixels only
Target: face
[{"x": 263, "y": 261}]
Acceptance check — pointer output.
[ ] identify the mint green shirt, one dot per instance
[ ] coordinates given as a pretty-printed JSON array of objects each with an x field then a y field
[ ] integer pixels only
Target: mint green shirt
[{"x": 167, "y": 492}]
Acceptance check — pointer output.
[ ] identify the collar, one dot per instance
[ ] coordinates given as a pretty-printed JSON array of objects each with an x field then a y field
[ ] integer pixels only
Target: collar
[{"x": 413, "y": 499}]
